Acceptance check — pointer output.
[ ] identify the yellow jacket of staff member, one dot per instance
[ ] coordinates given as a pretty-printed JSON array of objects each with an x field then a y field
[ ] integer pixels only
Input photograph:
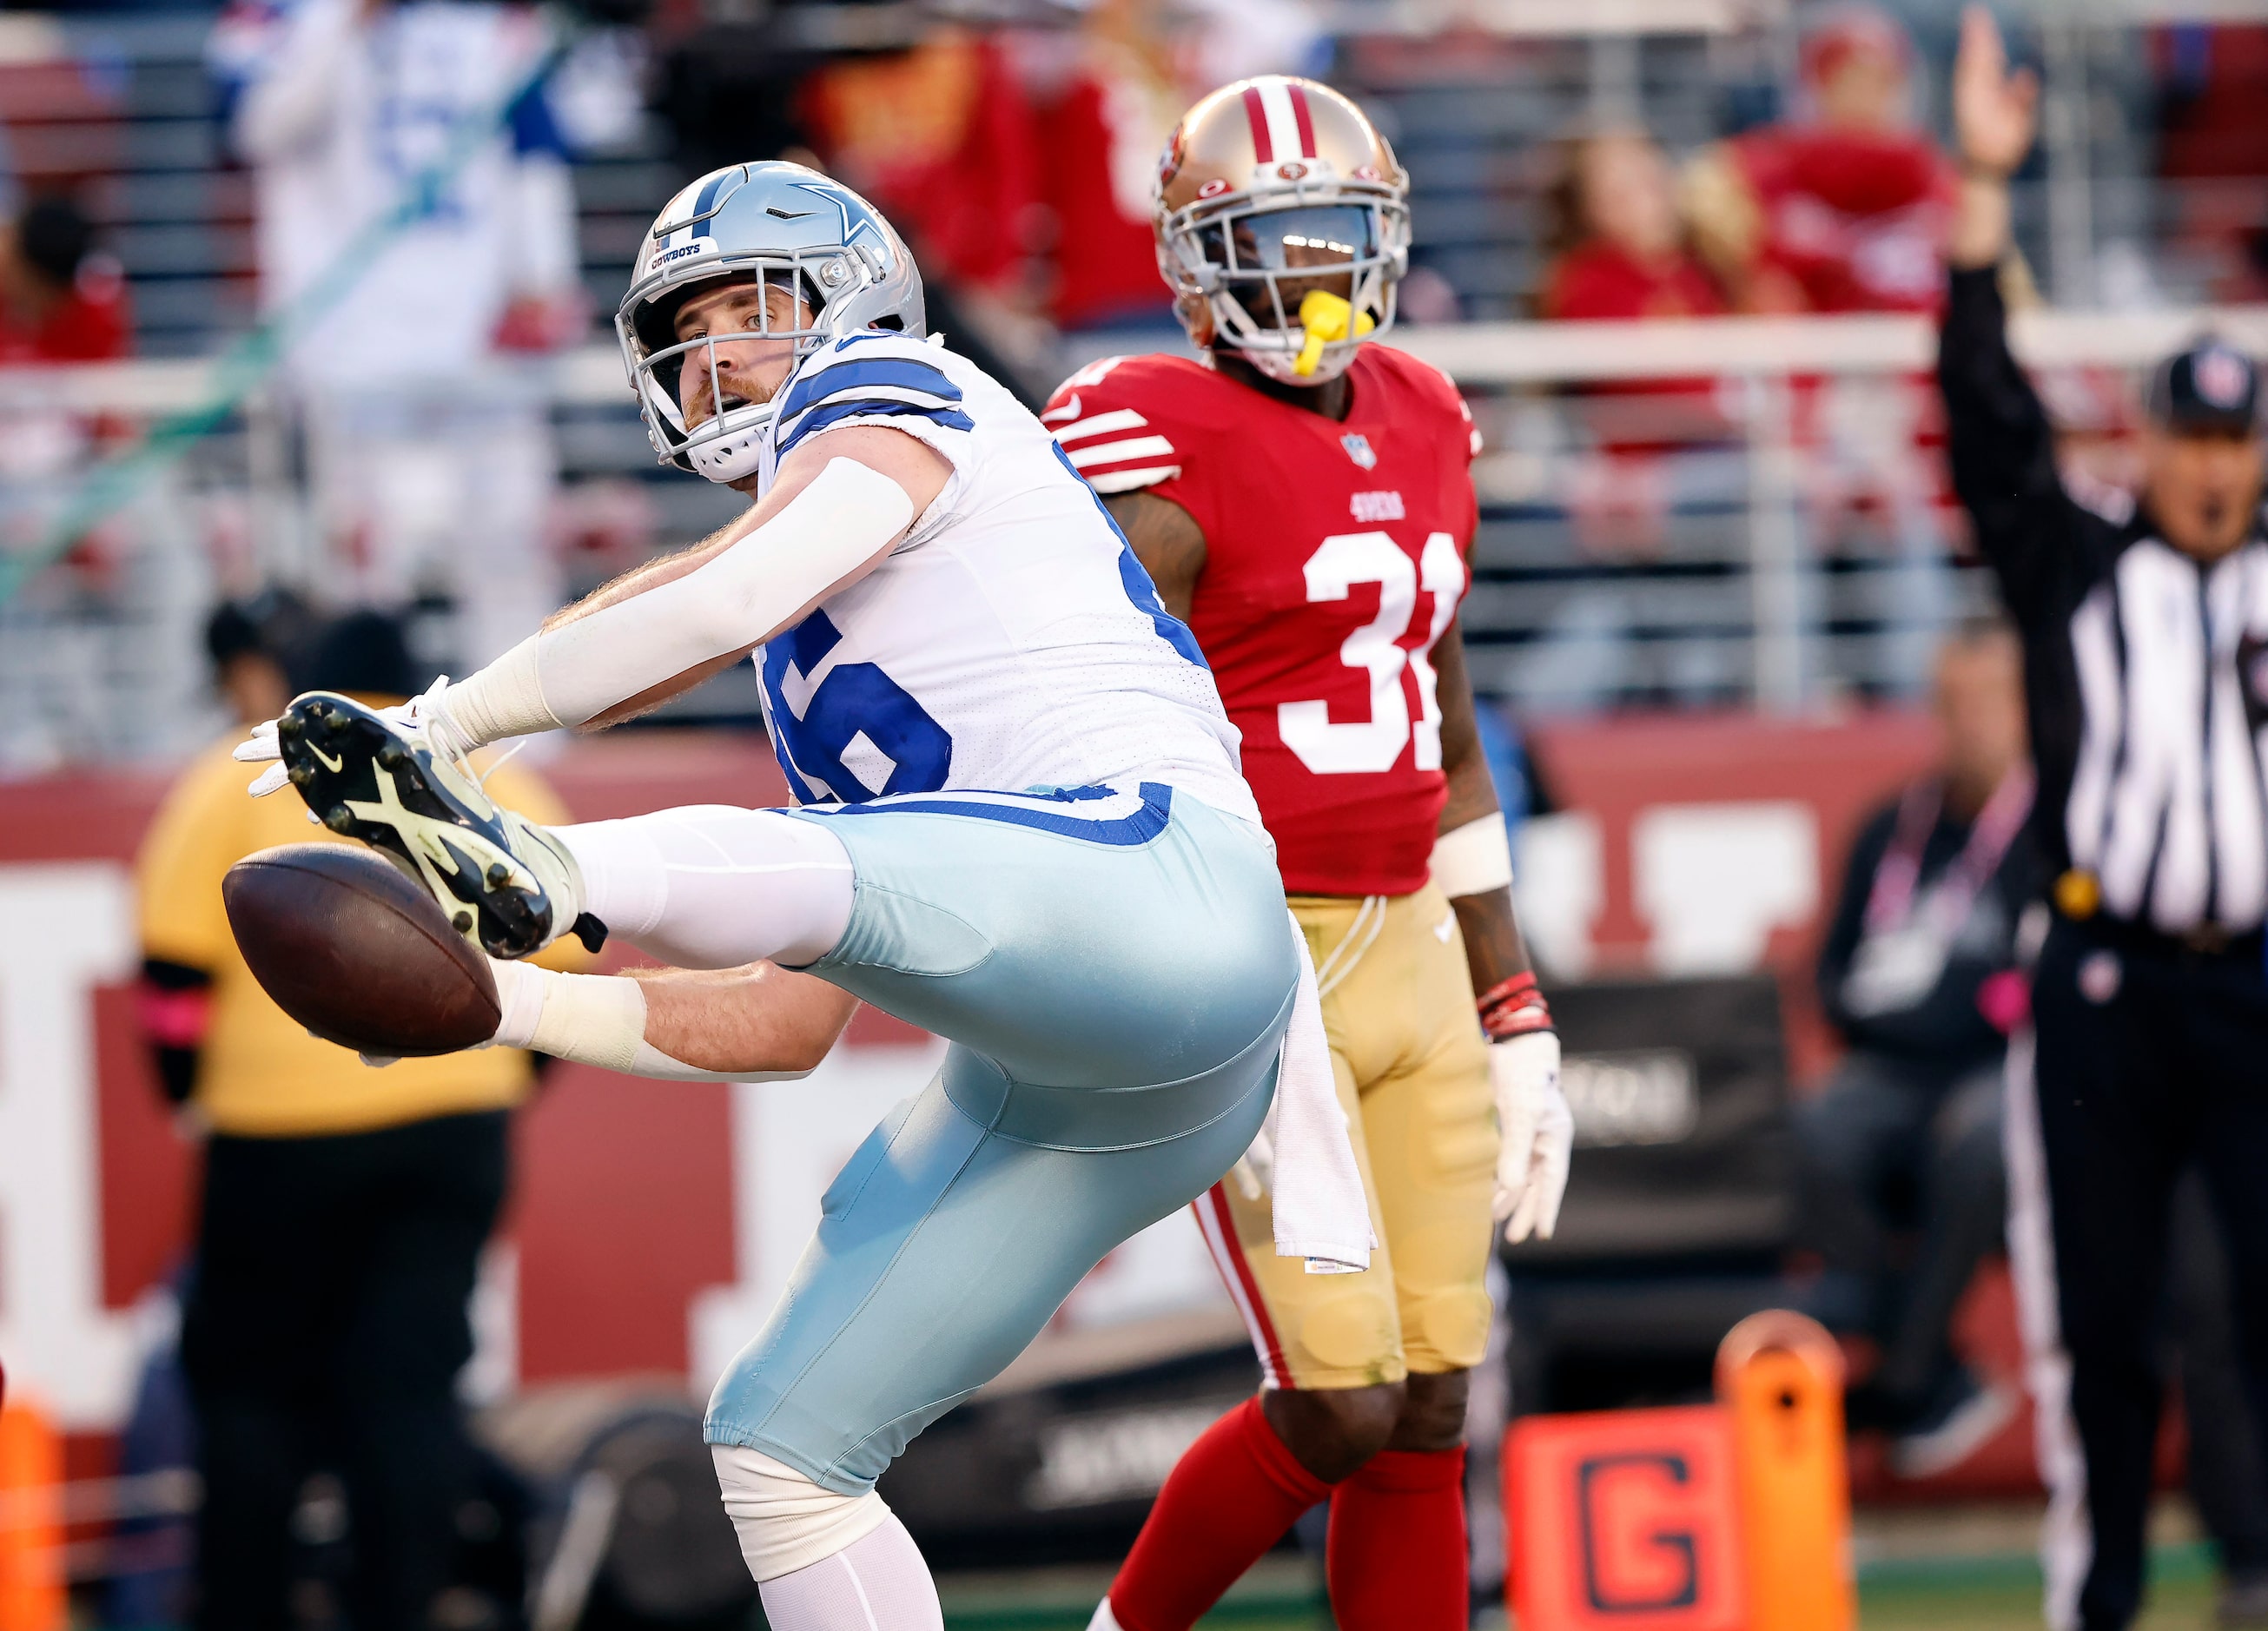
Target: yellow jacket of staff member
[{"x": 259, "y": 1074}]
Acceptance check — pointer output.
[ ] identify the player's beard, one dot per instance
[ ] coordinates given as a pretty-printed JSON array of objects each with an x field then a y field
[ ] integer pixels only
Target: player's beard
[{"x": 740, "y": 386}]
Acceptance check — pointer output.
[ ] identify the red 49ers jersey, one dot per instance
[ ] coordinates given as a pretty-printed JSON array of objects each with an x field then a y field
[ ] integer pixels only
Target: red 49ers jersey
[{"x": 1336, "y": 554}]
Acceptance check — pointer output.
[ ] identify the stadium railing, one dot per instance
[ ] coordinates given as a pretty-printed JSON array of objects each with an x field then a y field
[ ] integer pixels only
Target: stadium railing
[
  {"x": 1718, "y": 513},
  {"x": 1797, "y": 545}
]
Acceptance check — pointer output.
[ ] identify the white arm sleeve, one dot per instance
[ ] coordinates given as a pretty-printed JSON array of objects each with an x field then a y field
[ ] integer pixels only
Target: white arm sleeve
[
  {"x": 568, "y": 675},
  {"x": 1474, "y": 859}
]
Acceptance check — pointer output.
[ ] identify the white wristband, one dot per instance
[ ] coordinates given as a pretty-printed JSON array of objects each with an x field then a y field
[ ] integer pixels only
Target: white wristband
[
  {"x": 1474, "y": 859},
  {"x": 505, "y": 699},
  {"x": 594, "y": 1019}
]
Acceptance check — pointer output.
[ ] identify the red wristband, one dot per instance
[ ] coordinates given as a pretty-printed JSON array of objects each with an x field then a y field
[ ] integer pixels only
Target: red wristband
[
  {"x": 1514, "y": 1007},
  {"x": 1521, "y": 984}
]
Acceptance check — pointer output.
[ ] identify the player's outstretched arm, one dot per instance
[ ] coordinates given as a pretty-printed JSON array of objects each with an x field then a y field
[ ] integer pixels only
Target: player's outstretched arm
[
  {"x": 763, "y": 1018},
  {"x": 1168, "y": 542},
  {"x": 737, "y": 1025},
  {"x": 872, "y": 444},
  {"x": 842, "y": 501},
  {"x": 1472, "y": 862}
]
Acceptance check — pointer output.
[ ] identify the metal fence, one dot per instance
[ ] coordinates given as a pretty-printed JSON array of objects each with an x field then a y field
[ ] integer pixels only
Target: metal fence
[
  {"x": 1774, "y": 532},
  {"x": 1715, "y": 513}
]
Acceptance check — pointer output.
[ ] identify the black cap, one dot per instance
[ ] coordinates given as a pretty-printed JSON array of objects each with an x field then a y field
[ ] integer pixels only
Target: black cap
[
  {"x": 54, "y": 237},
  {"x": 273, "y": 623},
  {"x": 2213, "y": 386},
  {"x": 363, "y": 652}
]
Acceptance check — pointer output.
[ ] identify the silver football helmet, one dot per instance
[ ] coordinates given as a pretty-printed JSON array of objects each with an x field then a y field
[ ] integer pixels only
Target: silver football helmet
[{"x": 765, "y": 223}]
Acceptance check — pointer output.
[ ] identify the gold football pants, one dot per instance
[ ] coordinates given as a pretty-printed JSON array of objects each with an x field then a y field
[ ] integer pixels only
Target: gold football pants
[{"x": 1412, "y": 1072}]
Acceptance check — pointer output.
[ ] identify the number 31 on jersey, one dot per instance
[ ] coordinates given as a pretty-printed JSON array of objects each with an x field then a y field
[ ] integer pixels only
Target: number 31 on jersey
[{"x": 1348, "y": 747}]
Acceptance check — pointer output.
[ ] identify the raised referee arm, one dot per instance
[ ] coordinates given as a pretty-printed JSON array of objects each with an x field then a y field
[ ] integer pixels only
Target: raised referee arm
[{"x": 1997, "y": 439}]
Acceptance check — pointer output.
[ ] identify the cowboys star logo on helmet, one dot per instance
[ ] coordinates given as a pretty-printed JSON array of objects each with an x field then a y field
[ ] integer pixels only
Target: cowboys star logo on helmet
[{"x": 1283, "y": 225}]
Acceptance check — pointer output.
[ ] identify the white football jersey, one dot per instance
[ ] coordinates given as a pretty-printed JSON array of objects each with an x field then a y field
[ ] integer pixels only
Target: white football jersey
[{"x": 1011, "y": 642}]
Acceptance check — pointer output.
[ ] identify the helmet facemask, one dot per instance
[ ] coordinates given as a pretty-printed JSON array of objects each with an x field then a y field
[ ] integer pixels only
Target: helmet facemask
[
  {"x": 724, "y": 445},
  {"x": 1256, "y": 258}
]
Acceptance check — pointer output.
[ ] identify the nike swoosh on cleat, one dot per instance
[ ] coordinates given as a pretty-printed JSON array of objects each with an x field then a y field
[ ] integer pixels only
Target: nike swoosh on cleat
[
  {"x": 414, "y": 834},
  {"x": 467, "y": 871},
  {"x": 328, "y": 763},
  {"x": 441, "y": 855}
]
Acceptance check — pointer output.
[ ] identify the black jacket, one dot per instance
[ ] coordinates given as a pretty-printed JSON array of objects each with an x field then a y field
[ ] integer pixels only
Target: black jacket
[
  {"x": 1945, "y": 1028},
  {"x": 2143, "y": 669}
]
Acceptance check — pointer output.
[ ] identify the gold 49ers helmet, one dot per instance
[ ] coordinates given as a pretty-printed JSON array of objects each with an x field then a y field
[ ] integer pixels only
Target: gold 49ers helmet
[{"x": 1283, "y": 225}]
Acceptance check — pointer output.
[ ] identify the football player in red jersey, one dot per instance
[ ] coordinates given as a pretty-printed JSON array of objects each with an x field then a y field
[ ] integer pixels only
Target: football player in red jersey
[{"x": 1303, "y": 500}]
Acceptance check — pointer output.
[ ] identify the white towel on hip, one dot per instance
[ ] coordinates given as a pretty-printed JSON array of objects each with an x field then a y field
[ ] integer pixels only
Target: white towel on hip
[{"x": 1320, "y": 1212}]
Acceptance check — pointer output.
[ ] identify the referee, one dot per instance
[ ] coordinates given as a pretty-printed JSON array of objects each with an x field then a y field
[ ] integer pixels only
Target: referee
[{"x": 2145, "y": 634}]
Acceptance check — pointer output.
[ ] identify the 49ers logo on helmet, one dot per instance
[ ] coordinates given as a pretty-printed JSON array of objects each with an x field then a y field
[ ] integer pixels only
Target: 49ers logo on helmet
[
  {"x": 1258, "y": 151},
  {"x": 1169, "y": 162}
]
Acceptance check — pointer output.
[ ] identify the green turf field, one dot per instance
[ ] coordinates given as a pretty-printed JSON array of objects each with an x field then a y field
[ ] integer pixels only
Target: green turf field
[
  {"x": 1989, "y": 1593},
  {"x": 2002, "y": 1594}
]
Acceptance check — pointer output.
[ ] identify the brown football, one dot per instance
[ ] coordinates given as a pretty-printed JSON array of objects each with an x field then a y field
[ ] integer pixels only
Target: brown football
[{"x": 352, "y": 949}]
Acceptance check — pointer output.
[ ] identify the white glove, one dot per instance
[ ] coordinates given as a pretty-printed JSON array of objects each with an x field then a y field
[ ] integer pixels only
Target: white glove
[
  {"x": 1538, "y": 1132},
  {"x": 262, "y": 748},
  {"x": 428, "y": 713},
  {"x": 1255, "y": 1172}
]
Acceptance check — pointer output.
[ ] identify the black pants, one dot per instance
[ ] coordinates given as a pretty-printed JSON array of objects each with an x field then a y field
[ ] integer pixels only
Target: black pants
[
  {"x": 326, "y": 1325},
  {"x": 2149, "y": 1058},
  {"x": 1892, "y": 1145},
  {"x": 2226, "y": 1477}
]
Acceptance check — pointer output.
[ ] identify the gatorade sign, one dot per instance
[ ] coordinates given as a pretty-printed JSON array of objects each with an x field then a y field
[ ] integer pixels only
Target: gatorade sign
[{"x": 1626, "y": 1521}]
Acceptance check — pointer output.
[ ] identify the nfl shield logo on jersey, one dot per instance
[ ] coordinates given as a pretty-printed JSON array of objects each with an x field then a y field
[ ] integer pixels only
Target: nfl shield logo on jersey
[{"x": 1358, "y": 448}]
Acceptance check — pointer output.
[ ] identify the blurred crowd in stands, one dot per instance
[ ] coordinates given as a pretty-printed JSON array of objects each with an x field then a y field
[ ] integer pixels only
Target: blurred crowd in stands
[
  {"x": 415, "y": 273},
  {"x": 417, "y": 180}
]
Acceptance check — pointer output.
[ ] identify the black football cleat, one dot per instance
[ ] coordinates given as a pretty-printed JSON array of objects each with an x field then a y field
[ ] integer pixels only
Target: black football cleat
[{"x": 503, "y": 882}]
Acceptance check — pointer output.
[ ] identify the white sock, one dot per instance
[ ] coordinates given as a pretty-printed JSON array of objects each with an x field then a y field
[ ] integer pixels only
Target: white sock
[
  {"x": 878, "y": 1582},
  {"x": 715, "y": 886}
]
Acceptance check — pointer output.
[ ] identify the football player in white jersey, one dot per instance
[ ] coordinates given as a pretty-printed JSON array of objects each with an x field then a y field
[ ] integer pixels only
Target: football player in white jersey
[{"x": 1021, "y": 824}]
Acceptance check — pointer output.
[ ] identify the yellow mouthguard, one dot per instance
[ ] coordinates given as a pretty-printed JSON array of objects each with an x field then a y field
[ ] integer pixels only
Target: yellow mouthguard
[{"x": 1324, "y": 318}]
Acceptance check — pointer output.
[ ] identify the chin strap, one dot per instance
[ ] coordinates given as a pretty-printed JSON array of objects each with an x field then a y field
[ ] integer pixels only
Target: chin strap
[{"x": 732, "y": 457}]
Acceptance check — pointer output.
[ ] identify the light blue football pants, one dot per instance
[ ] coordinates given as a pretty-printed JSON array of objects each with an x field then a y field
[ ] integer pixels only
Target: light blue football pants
[{"x": 1115, "y": 972}]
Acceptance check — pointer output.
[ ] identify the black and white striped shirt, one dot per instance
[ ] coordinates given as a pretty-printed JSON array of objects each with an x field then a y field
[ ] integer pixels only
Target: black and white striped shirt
[{"x": 2146, "y": 671}]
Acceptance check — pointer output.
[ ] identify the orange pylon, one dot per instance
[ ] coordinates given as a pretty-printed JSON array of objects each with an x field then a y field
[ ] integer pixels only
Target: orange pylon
[
  {"x": 32, "y": 1587},
  {"x": 1780, "y": 1377}
]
